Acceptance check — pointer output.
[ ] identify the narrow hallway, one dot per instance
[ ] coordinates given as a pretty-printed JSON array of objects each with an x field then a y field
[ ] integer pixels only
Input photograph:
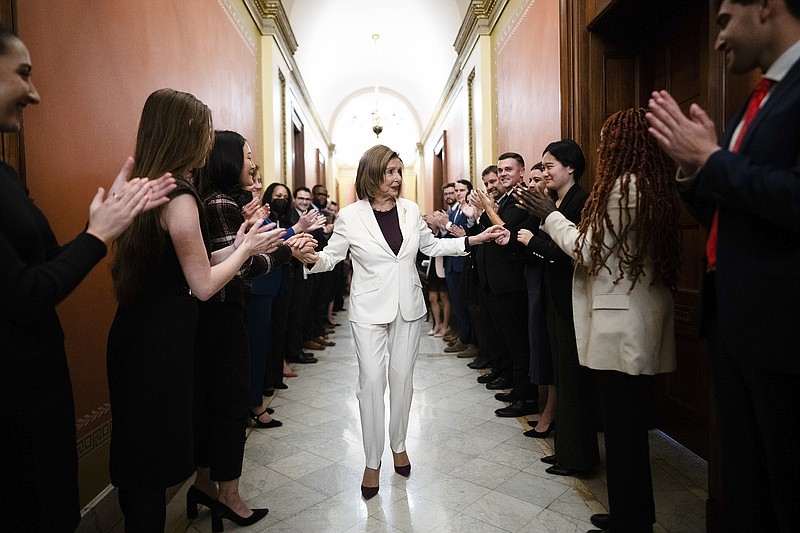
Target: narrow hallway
[{"x": 472, "y": 471}]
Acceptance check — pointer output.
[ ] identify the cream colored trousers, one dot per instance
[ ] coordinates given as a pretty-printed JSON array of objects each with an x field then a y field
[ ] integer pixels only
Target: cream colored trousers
[{"x": 395, "y": 344}]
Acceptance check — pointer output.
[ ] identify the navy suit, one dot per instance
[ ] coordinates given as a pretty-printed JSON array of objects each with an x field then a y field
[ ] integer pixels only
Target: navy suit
[
  {"x": 453, "y": 266},
  {"x": 751, "y": 309}
]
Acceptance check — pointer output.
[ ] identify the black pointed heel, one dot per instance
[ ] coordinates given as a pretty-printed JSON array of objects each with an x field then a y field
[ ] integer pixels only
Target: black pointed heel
[
  {"x": 219, "y": 511},
  {"x": 195, "y": 497},
  {"x": 369, "y": 492}
]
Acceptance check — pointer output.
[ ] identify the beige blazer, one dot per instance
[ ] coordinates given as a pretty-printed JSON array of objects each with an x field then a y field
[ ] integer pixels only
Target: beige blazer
[
  {"x": 383, "y": 281},
  {"x": 616, "y": 327}
]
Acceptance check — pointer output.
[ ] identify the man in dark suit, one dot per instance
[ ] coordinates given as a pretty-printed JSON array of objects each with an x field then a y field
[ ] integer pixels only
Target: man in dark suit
[
  {"x": 501, "y": 277},
  {"x": 453, "y": 266},
  {"x": 746, "y": 190}
]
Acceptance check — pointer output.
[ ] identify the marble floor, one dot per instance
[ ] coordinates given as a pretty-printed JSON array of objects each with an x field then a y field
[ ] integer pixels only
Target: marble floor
[{"x": 472, "y": 471}]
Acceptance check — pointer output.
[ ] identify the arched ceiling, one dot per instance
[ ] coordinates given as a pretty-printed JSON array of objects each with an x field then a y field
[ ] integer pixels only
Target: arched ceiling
[{"x": 336, "y": 57}]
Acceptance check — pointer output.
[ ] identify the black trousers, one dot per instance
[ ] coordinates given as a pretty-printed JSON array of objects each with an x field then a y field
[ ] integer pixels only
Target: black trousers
[
  {"x": 221, "y": 389},
  {"x": 576, "y": 438},
  {"x": 259, "y": 331},
  {"x": 627, "y": 410},
  {"x": 145, "y": 510},
  {"x": 296, "y": 313},
  {"x": 493, "y": 344},
  {"x": 273, "y": 373},
  {"x": 758, "y": 411},
  {"x": 512, "y": 327}
]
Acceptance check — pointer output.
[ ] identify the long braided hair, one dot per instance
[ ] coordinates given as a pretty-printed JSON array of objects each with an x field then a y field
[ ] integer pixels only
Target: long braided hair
[{"x": 627, "y": 149}]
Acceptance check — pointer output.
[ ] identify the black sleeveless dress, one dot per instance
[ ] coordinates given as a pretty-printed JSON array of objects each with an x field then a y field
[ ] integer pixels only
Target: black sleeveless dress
[{"x": 150, "y": 358}]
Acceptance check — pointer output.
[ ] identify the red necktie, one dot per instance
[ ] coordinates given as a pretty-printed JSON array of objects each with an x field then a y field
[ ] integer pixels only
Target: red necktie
[{"x": 753, "y": 106}]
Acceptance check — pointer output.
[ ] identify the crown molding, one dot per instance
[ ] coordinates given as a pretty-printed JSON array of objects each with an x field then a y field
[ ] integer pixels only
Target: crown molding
[
  {"x": 481, "y": 17},
  {"x": 271, "y": 19}
]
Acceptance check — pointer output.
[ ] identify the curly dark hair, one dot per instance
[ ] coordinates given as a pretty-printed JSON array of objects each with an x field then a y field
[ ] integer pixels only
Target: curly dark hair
[{"x": 627, "y": 149}]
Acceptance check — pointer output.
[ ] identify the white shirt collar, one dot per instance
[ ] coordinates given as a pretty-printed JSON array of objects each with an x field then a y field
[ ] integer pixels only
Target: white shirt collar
[{"x": 777, "y": 71}]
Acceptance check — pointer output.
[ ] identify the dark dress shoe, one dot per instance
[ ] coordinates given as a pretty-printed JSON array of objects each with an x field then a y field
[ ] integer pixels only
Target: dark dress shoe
[
  {"x": 265, "y": 425},
  {"x": 488, "y": 378},
  {"x": 558, "y": 470},
  {"x": 539, "y": 434},
  {"x": 219, "y": 511},
  {"x": 368, "y": 492},
  {"x": 305, "y": 360},
  {"x": 602, "y": 520},
  {"x": 479, "y": 365},
  {"x": 499, "y": 383},
  {"x": 195, "y": 497},
  {"x": 404, "y": 471},
  {"x": 549, "y": 459},
  {"x": 282, "y": 386},
  {"x": 504, "y": 397},
  {"x": 518, "y": 408}
]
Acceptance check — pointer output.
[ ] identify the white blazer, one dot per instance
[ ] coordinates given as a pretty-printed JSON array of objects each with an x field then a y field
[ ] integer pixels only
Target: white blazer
[
  {"x": 383, "y": 281},
  {"x": 616, "y": 327}
]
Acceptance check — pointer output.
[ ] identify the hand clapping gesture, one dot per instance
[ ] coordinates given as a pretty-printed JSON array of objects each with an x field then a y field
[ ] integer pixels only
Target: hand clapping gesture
[
  {"x": 110, "y": 215},
  {"x": 535, "y": 202}
]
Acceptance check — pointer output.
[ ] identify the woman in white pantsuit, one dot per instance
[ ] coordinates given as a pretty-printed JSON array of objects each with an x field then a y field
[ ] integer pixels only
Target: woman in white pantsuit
[{"x": 383, "y": 233}]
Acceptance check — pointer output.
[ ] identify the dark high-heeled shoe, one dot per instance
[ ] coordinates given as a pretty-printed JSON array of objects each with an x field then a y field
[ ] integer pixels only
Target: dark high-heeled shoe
[
  {"x": 195, "y": 497},
  {"x": 540, "y": 434},
  {"x": 265, "y": 425},
  {"x": 404, "y": 471},
  {"x": 219, "y": 511},
  {"x": 369, "y": 492}
]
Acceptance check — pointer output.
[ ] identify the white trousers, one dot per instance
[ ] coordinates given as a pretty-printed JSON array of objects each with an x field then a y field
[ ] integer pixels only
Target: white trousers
[{"x": 397, "y": 344}]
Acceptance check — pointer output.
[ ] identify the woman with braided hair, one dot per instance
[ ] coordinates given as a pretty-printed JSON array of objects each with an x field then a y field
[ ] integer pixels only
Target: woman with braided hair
[{"x": 626, "y": 252}]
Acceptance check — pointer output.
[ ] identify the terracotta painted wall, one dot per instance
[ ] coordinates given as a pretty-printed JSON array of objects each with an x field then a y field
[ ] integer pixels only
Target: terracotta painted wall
[
  {"x": 527, "y": 70},
  {"x": 95, "y": 62}
]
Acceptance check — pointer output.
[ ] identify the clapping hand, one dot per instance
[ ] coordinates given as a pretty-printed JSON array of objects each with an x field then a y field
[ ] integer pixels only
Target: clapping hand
[
  {"x": 524, "y": 236},
  {"x": 457, "y": 231},
  {"x": 310, "y": 220},
  {"x": 110, "y": 215},
  {"x": 503, "y": 237},
  {"x": 535, "y": 202}
]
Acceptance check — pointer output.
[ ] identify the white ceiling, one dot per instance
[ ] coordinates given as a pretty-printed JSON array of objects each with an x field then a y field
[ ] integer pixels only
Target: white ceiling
[{"x": 336, "y": 58}]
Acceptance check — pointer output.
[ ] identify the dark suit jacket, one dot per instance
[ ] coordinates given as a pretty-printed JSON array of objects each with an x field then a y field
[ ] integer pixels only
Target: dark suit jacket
[
  {"x": 758, "y": 245},
  {"x": 501, "y": 268},
  {"x": 558, "y": 265}
]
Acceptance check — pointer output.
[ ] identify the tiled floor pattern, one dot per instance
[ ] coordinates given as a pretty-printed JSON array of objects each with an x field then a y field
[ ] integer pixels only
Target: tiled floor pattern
[{"x": 472, "y": 471}]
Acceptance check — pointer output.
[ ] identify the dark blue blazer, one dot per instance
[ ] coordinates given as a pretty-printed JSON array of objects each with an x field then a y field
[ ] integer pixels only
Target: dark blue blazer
[
  {"x": 455, "y": 263},
  {"x": 757, "y": 285}
]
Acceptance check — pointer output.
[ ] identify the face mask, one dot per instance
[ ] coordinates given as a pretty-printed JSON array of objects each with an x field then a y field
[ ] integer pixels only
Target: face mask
[{"x": 278, "y": 206}]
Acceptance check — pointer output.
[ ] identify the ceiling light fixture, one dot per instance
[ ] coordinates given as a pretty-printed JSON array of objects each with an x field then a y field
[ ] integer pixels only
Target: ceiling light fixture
[{"x": 377, "y": 128}]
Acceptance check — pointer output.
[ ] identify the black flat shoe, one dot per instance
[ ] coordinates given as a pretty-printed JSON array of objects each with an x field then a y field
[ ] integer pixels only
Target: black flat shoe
[
  {"x": 195, "y": 497},
  {"x": 549, "y": 459},
  {"x": 518, "y": 408},
  {"x": 219, "y": 511},
  {"x": 265, "y": 425},
  {"x": 540, "y": 434},
  {"x": 558, "y": 470},
  {"x": 479, "y": 365},
  {"x": 488, "y": 378},
  {"x": 499, "y": 383},
  {"x": 504, "y": 397},
  {"x": 281, "y": 386},
  {"x": 602, "y": 520}
]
